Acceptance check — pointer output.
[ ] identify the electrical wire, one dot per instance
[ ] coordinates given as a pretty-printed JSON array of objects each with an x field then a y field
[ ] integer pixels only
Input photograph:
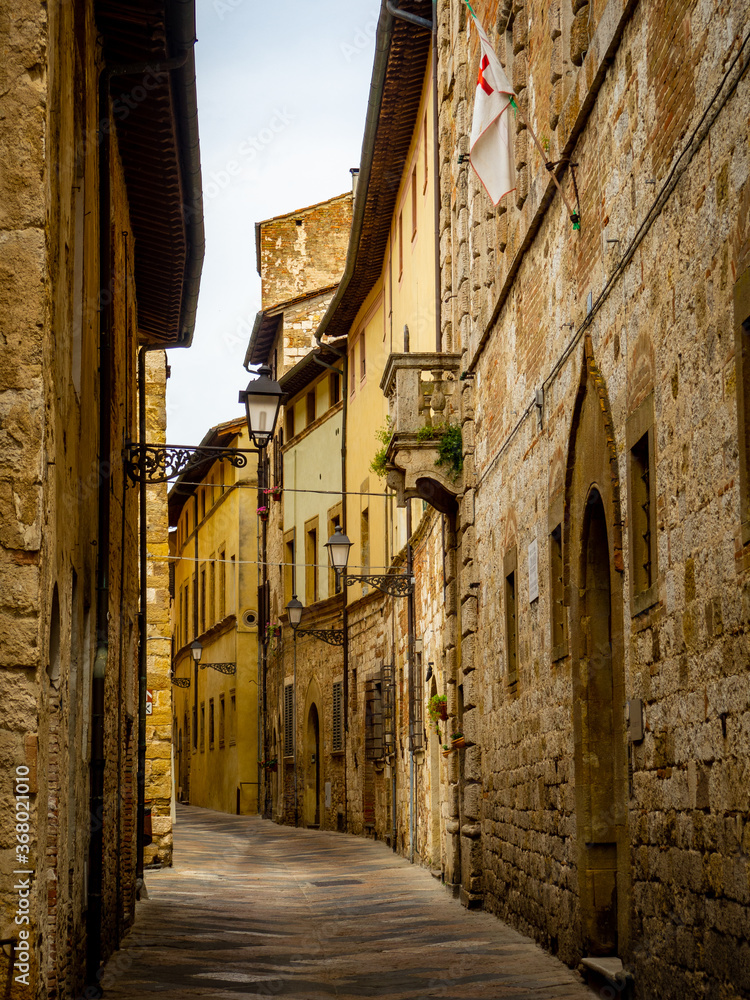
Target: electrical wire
[
  {"x": 371, "y": 570},
  {"x": 284, "y": 489}
]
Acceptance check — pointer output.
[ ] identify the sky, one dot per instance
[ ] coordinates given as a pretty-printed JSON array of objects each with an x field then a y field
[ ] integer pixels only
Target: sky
[{"x": 282, "y": 97}]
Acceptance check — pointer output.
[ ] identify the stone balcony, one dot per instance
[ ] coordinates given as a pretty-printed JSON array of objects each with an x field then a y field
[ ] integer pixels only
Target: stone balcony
[{"x": 422, "y": 392}]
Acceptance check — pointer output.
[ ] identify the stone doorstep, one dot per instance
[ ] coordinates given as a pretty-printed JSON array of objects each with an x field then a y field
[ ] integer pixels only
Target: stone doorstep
[{"x": 611, "y": 969}]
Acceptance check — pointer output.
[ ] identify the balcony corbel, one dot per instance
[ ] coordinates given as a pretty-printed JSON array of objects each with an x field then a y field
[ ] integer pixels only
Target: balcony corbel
[{"x": 420, "y": 392}]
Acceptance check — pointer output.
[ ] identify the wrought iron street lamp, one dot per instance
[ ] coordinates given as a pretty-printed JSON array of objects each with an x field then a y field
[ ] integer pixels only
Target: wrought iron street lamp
[
  {"x": 333, "y": 636},
  {"x": 395, "y": 584},
  {"x": 158, "y": 463},
  {"x": 196, "y": 650}
]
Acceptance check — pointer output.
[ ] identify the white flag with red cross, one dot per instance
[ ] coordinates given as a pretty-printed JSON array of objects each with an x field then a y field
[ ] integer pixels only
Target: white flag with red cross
[{"x": 491, "y": 143}]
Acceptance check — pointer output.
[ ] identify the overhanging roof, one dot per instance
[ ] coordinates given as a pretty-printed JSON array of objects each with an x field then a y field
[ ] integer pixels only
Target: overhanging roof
[
  {"x": 266, "y": 327},
  {"x": 148, "y": 53},
  {"x": 308, "y": 369},
  {"x": 401, "y": 56}
]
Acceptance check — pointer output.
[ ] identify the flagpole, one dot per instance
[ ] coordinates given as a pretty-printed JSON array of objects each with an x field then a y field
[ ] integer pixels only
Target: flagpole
[{"x": 574, "y": 216}]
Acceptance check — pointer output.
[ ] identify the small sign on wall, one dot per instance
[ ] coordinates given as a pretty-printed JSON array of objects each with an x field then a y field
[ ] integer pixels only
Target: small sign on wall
[
  {"x": 149, "y": 702},
  {"x": 533, "y": 571},
  {"x": 328, "y": 794}
]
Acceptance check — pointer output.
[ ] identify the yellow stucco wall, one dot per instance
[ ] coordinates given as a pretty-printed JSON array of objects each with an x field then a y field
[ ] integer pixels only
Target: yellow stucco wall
[
  {"x": 221, "y": 774},
  {"x": 403, "y": 296},
  {"x": 312, "y": 460}
]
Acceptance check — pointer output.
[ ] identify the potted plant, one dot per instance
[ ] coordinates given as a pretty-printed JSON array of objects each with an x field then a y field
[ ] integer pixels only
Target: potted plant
[
  {"x": 446, "y": 750},
  {"x": 273, "y": 631},
  {"x": 457, "y": 740},
  {"x": 438, "y": 708},
  {"x": 271, "y": 764},
  {"x": 263, "y": 513},
  {"x": 276, "y": 493}
]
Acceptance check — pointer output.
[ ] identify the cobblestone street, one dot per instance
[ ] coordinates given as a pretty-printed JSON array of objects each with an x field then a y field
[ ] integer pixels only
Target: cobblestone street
[{"x": 252, "y": 909}]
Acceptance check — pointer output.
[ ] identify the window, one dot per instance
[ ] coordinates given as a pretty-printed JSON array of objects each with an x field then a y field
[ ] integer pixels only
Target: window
[
  {"x": 232, "y": 583},
  {"x": 195, "y": 728},
  {"x": 414, "y": 202},
  {"x": 558, "y": 620},
  {"x": 362, "y": 358},
  {"x": 232, "y": 718},
  {"x": 424, "y": 147},
  {"x": 289, "y": 422},
  {"x": 511, "y": 618},
  {"x": 222, "y": 583},
  {"x": 373, "y": 720},
  {"x": 203, "y": 601},
  {"x": 212, "y": 592},
  {"x": 290, "y": 583},
  {"x": 353, "y": 692},
  {"x": 642, "y": 507},
  {"x": 742, "y": 361},
  {"x": 222, "y": 720},
  {"x": 186, "y": 627},
  {"x": 310, "y": 402},
  {"x": 203, "y": 725},
  {"x": 352, "y": 368},
  {"x": 288, "y": 720},
  {"x": 400, "y": 245},
  {"x": 337, "y": 732},
  {"x": 202, "y": 495},
  {"x": 180, "y": 637},
  {"x": 311, "y": 561},
  {"x": 210, "y": 723},
  {"x": 334, "y": 388}
]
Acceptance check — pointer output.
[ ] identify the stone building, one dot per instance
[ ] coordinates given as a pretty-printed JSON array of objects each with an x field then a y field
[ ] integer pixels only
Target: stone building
[
  {"x": 100, "y": 255},
  {"x": 581, "y": 581}
]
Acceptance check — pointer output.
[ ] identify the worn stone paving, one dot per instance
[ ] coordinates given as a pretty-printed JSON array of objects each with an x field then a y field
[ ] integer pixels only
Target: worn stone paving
[{"x": 252, "y": 910}]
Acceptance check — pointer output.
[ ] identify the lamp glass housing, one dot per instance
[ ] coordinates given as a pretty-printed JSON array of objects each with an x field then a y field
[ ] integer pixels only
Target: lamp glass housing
[
  {"x": 338, "y": 546},
  {"x": 294, "y": 610},
  {"x": 197, "y": 650},
  {"x": 262, "y": 400}
]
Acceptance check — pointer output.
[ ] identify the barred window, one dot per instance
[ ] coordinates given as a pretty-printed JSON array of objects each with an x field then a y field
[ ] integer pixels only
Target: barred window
[
  {"x": 288, "y": 720},
  {"x": 338, "y": 719}
]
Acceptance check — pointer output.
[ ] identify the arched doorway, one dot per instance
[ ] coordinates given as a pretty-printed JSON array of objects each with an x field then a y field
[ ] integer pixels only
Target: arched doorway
[
  {"x": 436, "y": 854},
  {"x": 593, "y": 577},
  {"x": 311, "y": 769}
]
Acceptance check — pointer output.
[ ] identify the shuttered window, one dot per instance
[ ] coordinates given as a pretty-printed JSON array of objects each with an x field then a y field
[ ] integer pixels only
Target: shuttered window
[
  {"x": 337, "y": 733},
  {"x": 288, "y": 720},
  {"x": 373, "y": 721}
]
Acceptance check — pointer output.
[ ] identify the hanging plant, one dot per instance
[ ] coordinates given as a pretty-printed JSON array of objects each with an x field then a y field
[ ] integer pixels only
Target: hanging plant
[
  {"x": 263, "y": 513},
  {"x": 273, "y": 631},
  {"x": 438, "y": 708},
  {"x": 449, "y": 444},
  {"x": 384, "y": 435}
]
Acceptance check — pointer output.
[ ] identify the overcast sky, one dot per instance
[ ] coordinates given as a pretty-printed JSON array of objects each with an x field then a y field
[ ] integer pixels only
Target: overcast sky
[{"x": 282, "y": 97}]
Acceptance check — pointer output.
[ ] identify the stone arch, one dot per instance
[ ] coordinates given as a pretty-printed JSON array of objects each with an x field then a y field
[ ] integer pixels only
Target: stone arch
[
  {"x": 594, "y": 592},
  {"x": 311, "y": 764}
]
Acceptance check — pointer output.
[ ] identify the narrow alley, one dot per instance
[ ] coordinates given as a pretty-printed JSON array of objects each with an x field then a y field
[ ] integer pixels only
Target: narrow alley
[{"x": 252, "y": 909}]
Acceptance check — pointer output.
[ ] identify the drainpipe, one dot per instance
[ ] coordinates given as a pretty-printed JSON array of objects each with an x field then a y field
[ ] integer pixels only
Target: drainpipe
[
  {"x": 410, "y": 657},
  {"x": 96, "y": 779},
  {"x": 436, "y": 175}
]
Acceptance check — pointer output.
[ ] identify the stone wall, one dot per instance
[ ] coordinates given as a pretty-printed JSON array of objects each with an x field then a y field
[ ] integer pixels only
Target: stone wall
[
  {"x": 304, "y": 251},
  {"x": 159, "y": 784},
  {"x": 54, "y": 561},
  {"x": 528, "y": 310}
]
